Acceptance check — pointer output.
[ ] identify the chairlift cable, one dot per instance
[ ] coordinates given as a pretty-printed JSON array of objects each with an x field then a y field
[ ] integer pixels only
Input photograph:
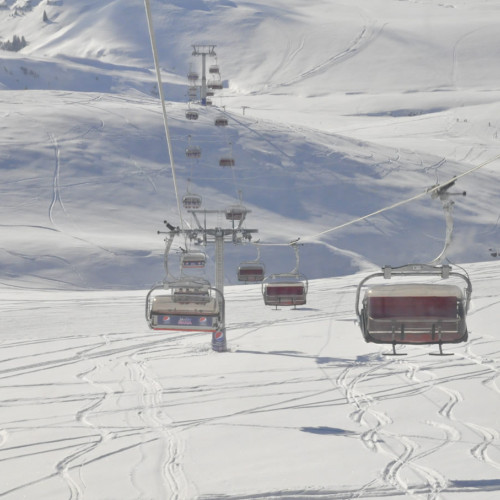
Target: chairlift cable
[
  {"x": 164, "y": 110},
  {"x": 390, "y": 207},
  {"x": 403, "y": 202}
]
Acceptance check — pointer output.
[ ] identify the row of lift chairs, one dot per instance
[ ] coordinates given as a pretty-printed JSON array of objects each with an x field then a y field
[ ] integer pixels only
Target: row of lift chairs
[
  {"x": 285, "y": 289},
  {"x": 191, "y": 303},
  {"x": 409, "y": 312},
  {"x": 412, "y": 312}
]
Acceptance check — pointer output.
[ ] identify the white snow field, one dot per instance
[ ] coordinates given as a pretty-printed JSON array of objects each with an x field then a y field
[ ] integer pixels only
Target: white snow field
[{"x": 336, "y": 109}]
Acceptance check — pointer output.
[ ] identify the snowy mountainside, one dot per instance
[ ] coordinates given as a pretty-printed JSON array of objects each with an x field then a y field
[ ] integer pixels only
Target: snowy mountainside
[
  {"x": 334, "y": 112},
  {"x": 336, "y": 109}
]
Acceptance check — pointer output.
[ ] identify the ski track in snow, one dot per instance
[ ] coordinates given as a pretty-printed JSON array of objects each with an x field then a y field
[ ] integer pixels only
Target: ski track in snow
[
  {"x": 117, "y": 369},
  {"x": 94, "y": 356},
  {"x": 366, "y": 36},
  {"x": 56, "y": 193},
  {"x": 175, "y": 482},
  {"x": 404, "y": 471}
]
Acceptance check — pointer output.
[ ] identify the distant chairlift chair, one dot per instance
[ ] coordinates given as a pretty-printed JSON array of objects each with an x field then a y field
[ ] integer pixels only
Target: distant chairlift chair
[
  {"x": 251, "y": 271},
  {"x": 286, "y": 289}
]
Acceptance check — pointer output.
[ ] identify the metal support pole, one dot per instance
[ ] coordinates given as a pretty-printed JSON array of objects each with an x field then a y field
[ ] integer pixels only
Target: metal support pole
[
  {"x": 219, "y": 236},
  {"x": 203, "y": 80},
  {"x": 204, "y": 51},
  {"x": 219, "y": 259}
]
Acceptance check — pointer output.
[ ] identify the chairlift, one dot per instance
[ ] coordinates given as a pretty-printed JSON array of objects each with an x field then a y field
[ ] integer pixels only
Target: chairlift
[
  {"x": 191, "y": 114},
  {"x": 185, "y": 305},
  {"x": 228, "y": 159},
  {"x": 286, "y": 289},
  {"x": 236, "y": 213},
  {"x": 190, "y": 290},
  {"x": 221, "y": 121},
  {"x": 214, "y": 69},
  {"x": 285, "y": 293},
  {"x": 193, "y": 76},
  {"x": 193, "y": 260},
  {"x": 193, "y": 92},
  {"x": 191, "y": 201},
  {"x": 192, "y": 151},
  {"x": 414, "y": 313},
  {"x": 215, "y": 84},
  {"x": 252, "y": 271}
]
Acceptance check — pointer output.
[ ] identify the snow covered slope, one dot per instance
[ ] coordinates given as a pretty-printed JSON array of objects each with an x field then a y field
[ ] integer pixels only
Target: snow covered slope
[
  {"x": 96, "y": 407},
  {"x": 335, "y": 111}
]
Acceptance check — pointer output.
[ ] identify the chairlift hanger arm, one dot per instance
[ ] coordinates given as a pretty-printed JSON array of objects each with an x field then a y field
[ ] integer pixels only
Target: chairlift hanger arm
[{"x": 148, "y": 298}]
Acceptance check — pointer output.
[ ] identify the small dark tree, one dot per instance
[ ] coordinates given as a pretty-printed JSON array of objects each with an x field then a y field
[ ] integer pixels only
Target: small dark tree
[
  {"x": 16, "y": 44},
  {"x": 45, "y": 17}
]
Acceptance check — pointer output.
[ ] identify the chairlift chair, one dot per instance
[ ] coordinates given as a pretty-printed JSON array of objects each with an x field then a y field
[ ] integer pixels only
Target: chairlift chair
[
  {"x": 191, "y": 201},
  {"x": 185, "y": 306},
  {"x": 193, "y": 92},
  {"x": 236, "y": 213},
  {"x": 227, "y": 161},
  {"x": 191, "y": 114},
  {"x": 192, "y": 76},
  {"x": 414, "y": 313},
  {"x": 221, "y": 121},
  {"x": 286, "y": 289},
  {"x": 190, "y": 290},
  {"x": 213, "y": 69},
  {"x": 193, "y": 152},
  {"x": 193, "y": 260},
  {"x": 251, "y": 272},
  {"x": 215, "y": 84}
]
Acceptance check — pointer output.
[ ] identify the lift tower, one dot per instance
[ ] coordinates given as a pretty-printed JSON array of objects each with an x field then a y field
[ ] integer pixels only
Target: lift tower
[
  {"x": 217, "y": 235},
  {"x": 204, "y": 51}
]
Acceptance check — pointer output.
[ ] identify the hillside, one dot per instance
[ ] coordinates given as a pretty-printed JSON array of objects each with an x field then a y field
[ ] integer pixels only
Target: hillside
[
  {"x": 336, "y": 110},
  {"x": 343, "y": 114}
]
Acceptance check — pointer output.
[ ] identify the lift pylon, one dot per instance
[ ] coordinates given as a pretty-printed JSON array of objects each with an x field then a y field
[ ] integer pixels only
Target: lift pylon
[
  {"x": 162, "y": 310},
  {"x": 204, "y": 50}
]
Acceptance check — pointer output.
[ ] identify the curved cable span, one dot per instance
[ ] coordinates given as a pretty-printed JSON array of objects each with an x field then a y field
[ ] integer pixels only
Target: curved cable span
[
  {"x": 403, "y": 202},
  {"x": 164, "y": 110}
]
